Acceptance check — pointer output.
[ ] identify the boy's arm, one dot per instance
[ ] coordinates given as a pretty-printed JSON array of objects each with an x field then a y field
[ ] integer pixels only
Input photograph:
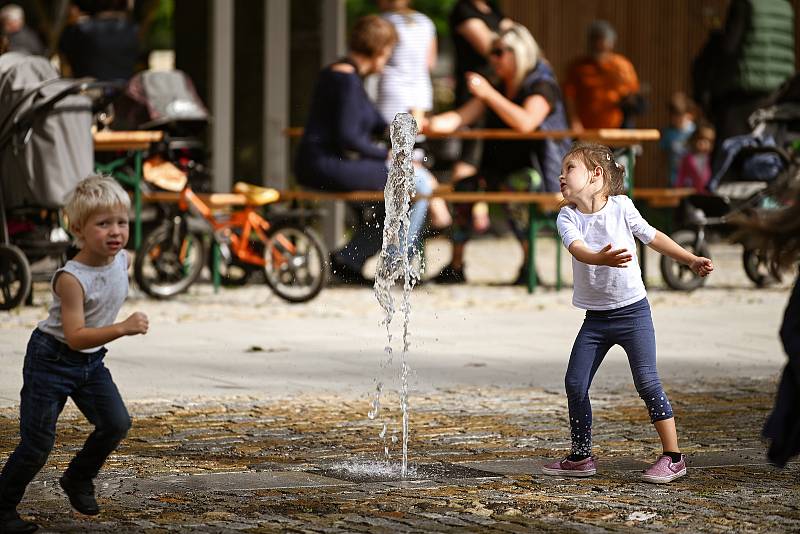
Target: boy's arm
[
  {"x": 76, "y": 333},
  {"x": 663, "y": 244},
  {"x": 605, "y": 256}
]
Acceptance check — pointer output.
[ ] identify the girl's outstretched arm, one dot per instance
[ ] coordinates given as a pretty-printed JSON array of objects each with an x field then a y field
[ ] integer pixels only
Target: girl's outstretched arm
[
  {"x": 663, "y": 244},
  {"x": 605, "y": 256}
]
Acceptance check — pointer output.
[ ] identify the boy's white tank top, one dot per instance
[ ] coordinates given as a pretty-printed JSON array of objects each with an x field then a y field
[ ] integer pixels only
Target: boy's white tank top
[{"x": 104, "y": 291}]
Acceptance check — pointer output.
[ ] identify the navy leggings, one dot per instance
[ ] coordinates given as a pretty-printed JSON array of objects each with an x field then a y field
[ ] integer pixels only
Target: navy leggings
[{"x": 631, "y": 327}]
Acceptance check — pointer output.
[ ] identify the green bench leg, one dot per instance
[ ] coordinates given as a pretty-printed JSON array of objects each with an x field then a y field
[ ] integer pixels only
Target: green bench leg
[
  {"x": 215, "y": 258},
  {"x": 533, "y": 229}
]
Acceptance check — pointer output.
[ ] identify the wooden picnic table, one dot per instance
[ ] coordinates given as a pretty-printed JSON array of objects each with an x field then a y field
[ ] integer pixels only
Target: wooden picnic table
[{"x": 608, "y": 136}]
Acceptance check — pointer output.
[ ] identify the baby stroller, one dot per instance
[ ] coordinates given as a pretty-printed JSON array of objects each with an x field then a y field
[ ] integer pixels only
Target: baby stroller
[
  {"x": 46, "y": 147},
  {"x": 167, "y": 101},
  {"x": 756, "y": 169}
]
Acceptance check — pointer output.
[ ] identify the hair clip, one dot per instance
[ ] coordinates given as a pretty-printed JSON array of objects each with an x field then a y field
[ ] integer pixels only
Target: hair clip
[
  {"x": 617, "y": 164},
  {"x": 608, "y": 157}
]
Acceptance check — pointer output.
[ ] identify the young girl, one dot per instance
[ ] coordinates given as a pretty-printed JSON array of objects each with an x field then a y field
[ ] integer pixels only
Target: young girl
[
  {"x": 598, "y": 224},
  {"x": 695, "y": 167}
]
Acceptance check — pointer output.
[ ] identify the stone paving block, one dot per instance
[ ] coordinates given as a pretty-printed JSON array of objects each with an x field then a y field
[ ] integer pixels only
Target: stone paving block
[
  {"x": 727, "y": 458},
  {"x": 533, "y": 466},
  {"x": 245, "y": 481},
  {"x": 439, "y": 471}
]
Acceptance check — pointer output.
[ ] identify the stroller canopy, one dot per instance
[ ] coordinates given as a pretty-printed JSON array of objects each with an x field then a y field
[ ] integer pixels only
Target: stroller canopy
[
  {"x": 154, "y": 98},
  {"x": 46, "y": 143}
]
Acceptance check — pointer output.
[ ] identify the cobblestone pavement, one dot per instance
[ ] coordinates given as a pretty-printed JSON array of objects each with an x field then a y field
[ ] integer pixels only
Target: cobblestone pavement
[{"x": 241, "y": 465}]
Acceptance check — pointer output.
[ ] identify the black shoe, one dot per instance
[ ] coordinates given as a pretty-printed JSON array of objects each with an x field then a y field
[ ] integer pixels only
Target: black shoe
[
  {"x": 81, "y": 495},
  {"x": 450, "y": 275},
  {"x": 344, "y": 274},
  {"x": 12, "y": 523}
]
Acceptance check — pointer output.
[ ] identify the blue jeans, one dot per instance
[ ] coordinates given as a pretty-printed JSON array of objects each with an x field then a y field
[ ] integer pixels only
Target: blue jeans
[
  {"x": 631, "y": 327},
  {"x": 367, "y": 240},
  {"x": 51, "y": 373}
]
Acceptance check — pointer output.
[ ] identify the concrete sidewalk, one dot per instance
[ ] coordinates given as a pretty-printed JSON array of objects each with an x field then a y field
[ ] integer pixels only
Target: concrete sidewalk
[{"x": 247, "y": 341}]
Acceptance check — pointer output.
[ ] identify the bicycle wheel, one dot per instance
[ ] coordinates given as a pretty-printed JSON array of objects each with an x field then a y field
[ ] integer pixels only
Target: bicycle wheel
[
  {"x": 169, "y": 260},
  {"x": 756, "y": 268},
  {"x": 296, "y": 266},
  {"x": 679, "y": 276},
  {"x": 15, "y": 277}
]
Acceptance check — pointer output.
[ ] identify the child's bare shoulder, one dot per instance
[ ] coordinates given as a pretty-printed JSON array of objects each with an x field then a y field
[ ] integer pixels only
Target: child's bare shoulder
[{"x": 66, "y": 285}]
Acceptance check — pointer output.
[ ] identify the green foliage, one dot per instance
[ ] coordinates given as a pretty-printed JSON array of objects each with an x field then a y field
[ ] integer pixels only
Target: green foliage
[
  {"x": 437, "y": 10},
  {"x": 160, "y": 34}
]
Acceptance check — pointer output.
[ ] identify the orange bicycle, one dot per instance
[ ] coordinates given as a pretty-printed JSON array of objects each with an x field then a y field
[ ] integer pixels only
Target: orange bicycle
[{"x": 290, "y": 255}]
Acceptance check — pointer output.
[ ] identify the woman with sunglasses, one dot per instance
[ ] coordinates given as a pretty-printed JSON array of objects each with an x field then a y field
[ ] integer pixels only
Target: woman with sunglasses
[{"x": 526, "y": 98}]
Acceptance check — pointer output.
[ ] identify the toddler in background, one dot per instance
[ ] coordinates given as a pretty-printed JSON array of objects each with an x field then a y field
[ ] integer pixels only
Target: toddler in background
[
  {"x": 675, "y": 136},
  {"x": 695, "y": 167}
]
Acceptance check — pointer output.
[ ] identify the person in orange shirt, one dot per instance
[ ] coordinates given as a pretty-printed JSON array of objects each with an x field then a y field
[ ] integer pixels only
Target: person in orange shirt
[{"x": 600, "y": 85}]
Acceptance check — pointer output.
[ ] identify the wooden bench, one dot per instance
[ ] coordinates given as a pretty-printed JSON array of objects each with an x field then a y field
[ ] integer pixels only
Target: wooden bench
[{"x": 543, "y": 208}]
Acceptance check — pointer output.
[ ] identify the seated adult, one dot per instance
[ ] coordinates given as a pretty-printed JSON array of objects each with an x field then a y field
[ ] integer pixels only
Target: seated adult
[
  {"x": 602, "y": 88},
  {"x": 337, "y": 151},
  {"x": 527, "y": 98},
  {"x": 21, "y": 38}
]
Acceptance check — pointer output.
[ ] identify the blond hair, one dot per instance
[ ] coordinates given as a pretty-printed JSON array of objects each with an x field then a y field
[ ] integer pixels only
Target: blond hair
[
  {"x": 92, "y": 194},
  {"x": 526, "y": 50}
]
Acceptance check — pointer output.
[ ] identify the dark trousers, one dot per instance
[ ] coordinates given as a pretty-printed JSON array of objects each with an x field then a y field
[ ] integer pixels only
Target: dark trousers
[
  {"x": 631, "y": 327},
  {"x": 53, "y": 372}
]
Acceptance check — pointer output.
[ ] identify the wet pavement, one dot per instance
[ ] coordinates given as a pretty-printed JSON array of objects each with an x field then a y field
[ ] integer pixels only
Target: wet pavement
[
  {"x": 306, "y": 464},
  {"x": 250, "y": 415}
]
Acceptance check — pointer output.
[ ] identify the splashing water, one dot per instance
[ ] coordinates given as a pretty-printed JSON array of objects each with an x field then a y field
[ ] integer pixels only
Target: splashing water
[
  {"x": 373, "y": 469},
  {"x": 394, "y": 261}
]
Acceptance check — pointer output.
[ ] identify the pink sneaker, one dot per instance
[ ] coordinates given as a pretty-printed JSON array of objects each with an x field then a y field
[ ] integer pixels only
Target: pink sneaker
[
  {"x": 568, "y": 468},
  {"x": 664, "y": 470}
]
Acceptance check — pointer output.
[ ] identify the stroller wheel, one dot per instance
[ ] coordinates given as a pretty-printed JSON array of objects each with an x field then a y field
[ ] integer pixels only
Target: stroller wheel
[
  {"x": 15, "y": 277},
  {"x": 756, "y": 268},
  {"x": 677, "y": 275}
]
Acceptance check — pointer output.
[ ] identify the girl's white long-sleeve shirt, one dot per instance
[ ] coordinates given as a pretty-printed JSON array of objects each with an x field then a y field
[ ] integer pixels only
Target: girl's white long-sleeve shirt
[{"x": 599, "y": 287}]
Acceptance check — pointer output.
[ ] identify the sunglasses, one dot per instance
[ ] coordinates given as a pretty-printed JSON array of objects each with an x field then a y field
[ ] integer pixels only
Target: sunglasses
[{"x": 497, "y": 52}]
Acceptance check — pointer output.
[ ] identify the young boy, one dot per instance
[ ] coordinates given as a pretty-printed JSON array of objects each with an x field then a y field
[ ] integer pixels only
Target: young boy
[{"x": 65, "y": 354}]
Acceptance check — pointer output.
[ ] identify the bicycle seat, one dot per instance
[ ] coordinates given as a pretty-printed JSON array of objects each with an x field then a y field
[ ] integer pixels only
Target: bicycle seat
[{"x": 255, "y": 194}]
